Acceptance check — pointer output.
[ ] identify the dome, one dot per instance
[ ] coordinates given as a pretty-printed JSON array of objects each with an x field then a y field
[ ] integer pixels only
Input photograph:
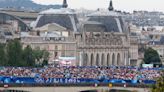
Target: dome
[
  {"x": 92, "y": 26},
  {"x": 112, "y": 20},
  {"x": 64, "y": 17}
]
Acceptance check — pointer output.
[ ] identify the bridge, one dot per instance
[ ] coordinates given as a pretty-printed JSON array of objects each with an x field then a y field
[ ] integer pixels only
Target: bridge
[
  {"x": 70, "y": 89},
  {"x": 24, "y": 18}
]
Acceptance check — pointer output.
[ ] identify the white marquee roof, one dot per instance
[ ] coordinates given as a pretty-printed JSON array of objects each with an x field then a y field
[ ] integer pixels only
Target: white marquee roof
[
  {"x": 104, "y": 13},
  {"x": 58, "y": 11}
]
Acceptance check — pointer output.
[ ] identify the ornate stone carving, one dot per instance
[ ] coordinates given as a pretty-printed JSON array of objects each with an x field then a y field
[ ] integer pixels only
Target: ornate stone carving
[{"x": 103, "y": 39}]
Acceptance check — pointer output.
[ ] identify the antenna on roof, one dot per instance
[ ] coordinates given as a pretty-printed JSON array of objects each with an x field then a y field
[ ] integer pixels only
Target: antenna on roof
[
  {"x": 65, "y": 5},
  {"x": 110, "y": 8}
]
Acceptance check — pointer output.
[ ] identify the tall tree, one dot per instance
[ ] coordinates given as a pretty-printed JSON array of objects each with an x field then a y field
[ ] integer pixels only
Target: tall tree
[
  {"x": 41, "y": 56},
  {"x": 38, "y": 54},
  {"x": 151, "y": 56},
  {"x": 28, "y": 56},
  {"x": 2, "y": 55},
  {"x": 45, "y": 57},
  {"x": 14, "y": 53}
]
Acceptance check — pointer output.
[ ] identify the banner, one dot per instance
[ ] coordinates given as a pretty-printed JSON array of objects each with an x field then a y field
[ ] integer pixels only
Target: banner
[{"x": 29, "y": 80}]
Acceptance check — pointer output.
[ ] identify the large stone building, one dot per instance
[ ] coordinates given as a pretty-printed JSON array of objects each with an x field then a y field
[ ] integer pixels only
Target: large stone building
[
  {"x": 100, "y": 39},
  {"x": 54, "y": 31},
  {"x": 103, "y": 39}
]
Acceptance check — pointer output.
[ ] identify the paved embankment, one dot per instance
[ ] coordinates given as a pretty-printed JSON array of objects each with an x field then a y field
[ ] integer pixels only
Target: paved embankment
[{"x": 69, "y": 89}]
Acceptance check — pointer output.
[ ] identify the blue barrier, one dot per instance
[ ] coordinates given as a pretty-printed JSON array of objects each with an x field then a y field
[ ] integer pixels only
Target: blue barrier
[{"x": 29, "y": 80}]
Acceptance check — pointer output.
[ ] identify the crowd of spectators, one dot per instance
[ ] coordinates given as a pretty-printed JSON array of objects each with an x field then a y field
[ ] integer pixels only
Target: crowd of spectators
[{"x": 124, "y": 73}]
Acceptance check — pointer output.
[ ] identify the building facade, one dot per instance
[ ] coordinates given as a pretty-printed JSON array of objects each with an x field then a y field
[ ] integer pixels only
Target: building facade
[
  {"x": 100, "y": 39},
  {"x": 103, "y": 49}
]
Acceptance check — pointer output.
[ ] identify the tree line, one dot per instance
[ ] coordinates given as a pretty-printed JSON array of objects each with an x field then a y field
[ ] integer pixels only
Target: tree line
[
  {"x": 151, "y": 56},
  {"x": 13, "y": 54}
]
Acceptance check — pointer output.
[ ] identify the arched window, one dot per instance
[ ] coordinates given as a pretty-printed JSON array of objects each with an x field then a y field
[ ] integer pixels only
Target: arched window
[
  {"x": 97, "y": 59},
  {"x": 92, "y": 60},
  {"x": 108, "y": 59},
  {"x": 102, "y": 60},
  {"x": 118, "y": 59},
  {"x": 113, "y": 59},
  {"x": 85, "y": 59}
]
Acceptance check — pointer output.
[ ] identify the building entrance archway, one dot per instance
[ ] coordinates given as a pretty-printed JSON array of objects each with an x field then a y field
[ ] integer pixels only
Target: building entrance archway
[
  {"x": 97, "y": 59},
  {"x": 118, "y": 59},
  {"x": 108, "y": 59},
  {"x": 92, "y": 60},
  {"x": 113, "y": 59}
]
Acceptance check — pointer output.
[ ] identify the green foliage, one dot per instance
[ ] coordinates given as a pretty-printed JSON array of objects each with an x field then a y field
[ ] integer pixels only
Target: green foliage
[
  {"x": 45, "y": 62},
  {"x": 151, "y": 56},
  {"x": 159, "y": 87},
  {"x": 40, "y": 56},
  {"x": 12, "y": 54},
  {"x": 2, "y": 55},
  {"x": 46, "y": 55},
  {"x": 28, "y": 56}
]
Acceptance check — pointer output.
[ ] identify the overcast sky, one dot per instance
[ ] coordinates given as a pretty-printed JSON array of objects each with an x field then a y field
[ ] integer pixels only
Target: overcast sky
[{"x": 127, "y": 5}]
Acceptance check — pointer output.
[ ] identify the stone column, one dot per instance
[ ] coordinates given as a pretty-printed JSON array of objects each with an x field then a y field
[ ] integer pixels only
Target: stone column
[
  {"x": 116, "y": 54},
  {"x": 105, "y": 59},
  {"x": 94, "y": 60},
  {"x": 89, "y": 60}
]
